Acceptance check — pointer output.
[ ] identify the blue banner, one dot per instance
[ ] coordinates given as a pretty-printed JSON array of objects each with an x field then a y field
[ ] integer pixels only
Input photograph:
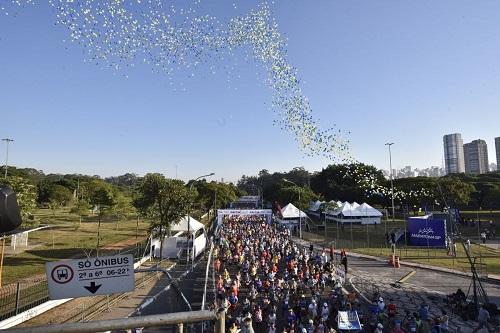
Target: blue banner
[{"x": 427, "y": 232}]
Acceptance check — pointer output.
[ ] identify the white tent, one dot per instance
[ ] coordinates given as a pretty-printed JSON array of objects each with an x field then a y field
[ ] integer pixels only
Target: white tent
[
  {"x": 355, "y": 213},
  {"x": 174, "y": 245},
  {"x": 345, "y": 209},
  {"x": 292, "y": 212},
  {"x": 315, "y": 205},
  {"x": 290, "y": 217},
  {"x": 182, "y": 225},
  {"x": 367, "y": 210}
]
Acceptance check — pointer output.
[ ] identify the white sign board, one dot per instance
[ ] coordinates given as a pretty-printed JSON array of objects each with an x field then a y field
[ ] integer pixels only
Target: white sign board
[
  {"x": 90, "y": 276},
  {"x": 340, "y": 273}
]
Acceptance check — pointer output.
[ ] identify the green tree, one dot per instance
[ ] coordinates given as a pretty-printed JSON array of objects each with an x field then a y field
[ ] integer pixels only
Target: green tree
[
  {"x": 206, "y": 192},
  {"x": 290, "y": 193},
  {"x": 102, "y": 197},
  {"x": 492, "y": 199},
  {"x": 123, "y": 207},
  {"x": 164, "y": 201},
  {"x": 454, "y": 192},
  {"x": 347, "y": 182},
  {"x": 26, "y": 194},
  {"x": 58, "y": 196}
]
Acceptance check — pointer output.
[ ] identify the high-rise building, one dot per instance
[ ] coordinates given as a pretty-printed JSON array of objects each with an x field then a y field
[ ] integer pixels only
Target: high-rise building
[
  {"x": 453, "y": 153},
  {"x": 497, "y": 146},
  {"x": 476, "y": 157}
]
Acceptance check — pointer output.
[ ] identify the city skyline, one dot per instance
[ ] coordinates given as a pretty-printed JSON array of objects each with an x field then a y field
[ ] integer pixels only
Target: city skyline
[
  {"x": 404, "y": 171},
  {"x": 476, "y": 157},
  {"x": 454, "y": 160}
]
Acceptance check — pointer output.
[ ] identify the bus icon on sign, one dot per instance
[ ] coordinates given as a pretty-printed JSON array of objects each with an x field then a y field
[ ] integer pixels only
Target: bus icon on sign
[{"x": 62, "y": 274}]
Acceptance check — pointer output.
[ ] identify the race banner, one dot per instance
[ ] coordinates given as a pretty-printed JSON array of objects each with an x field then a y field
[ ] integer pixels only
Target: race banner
[
  {"x": 427, "y": 232},
  {"x": 239, "y": 212}
]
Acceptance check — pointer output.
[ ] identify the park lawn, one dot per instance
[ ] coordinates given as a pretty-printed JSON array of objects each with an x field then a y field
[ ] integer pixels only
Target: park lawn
[
  {"x": 480, "y": 212},
  {"x": 438, "y": 257},
  {"x": 66, "y": 239},
  {"x": 371, "y": 240}
]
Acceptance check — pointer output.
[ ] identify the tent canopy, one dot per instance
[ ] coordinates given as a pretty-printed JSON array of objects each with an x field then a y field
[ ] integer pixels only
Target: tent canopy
[
  {"x": 315, "y": 205},
  {"x": 292, "y": 212},
  {"x": 356, "y": 210},
  {"x": 367, "y": 210},
  {"x": 182, "y": 225}
]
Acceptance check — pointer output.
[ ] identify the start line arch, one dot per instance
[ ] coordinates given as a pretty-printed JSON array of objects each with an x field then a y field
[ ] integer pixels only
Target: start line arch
[{"x": 268, "y": 213}]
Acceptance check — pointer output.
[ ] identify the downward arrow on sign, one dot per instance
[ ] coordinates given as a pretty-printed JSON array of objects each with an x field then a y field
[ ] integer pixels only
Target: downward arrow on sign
[{"x": 93, "y": 288}]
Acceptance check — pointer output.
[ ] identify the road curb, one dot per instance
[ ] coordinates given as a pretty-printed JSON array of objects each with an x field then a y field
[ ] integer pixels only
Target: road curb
[{"x": 489, "y": 279}]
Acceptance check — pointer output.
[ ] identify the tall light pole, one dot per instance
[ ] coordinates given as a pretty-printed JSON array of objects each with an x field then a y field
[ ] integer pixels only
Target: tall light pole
[
  {"x": 300, "y": 212},
  {"x": 189, "y": 216},
  {"x": 392, "y": 183},
  {"x": 7, "y": 141},
  {"x": 260, "y": 193}
]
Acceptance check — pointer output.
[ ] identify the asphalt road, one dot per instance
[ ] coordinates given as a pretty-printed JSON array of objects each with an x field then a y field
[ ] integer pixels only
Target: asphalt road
[
  {"x": 430, "y": 280},
  {"x": 191, "y": 285},
  {"x": 430, "y": 283}
]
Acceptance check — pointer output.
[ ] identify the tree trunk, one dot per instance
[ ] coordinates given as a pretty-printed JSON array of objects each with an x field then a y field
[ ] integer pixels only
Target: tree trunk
[
  {"x": 162, "y": 238},
  {"x": 98, "y": 235}
]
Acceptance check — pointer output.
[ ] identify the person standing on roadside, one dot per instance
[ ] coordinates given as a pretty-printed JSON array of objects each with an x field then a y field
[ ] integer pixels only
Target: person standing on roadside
[
  {"x": 482, "y": 318},
  {"x": 344, "y": 263}
]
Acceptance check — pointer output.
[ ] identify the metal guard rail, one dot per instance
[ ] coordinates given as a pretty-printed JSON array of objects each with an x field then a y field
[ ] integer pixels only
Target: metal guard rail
[{"x": 178, "y": 318}]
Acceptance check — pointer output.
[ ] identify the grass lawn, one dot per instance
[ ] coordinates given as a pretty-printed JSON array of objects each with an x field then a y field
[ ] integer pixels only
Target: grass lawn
[
  {"x": 487, "y": 259},
  {"x": 371, "y": 240},
  {"x": 68, "y": 238}
]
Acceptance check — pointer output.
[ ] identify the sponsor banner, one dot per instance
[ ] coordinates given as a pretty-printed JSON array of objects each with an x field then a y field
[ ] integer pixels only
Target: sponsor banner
[
  {"x": 242, "y": 212},
  {"x": 340, "y": 273},
  {"x": 427, "y": 232},
  {"x": 348, "y": 320}
]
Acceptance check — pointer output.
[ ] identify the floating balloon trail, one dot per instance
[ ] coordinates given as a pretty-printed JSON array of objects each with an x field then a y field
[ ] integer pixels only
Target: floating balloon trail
[{"x": 121, "y": 33}]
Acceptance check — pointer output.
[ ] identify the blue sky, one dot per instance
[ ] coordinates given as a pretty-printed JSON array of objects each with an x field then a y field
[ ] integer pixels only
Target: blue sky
[{"x": 400, "y": 71}]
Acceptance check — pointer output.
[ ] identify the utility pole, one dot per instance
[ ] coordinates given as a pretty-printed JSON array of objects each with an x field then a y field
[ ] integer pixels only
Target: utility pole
[
  {"x": 392, "y": 199},
  {"x": 391, "y": 176},
  {"x": 7, "y": 141}
]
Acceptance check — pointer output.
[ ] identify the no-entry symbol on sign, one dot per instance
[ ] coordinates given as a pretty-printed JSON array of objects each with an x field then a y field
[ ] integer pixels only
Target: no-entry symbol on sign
[{"x": 62, "y": 274}]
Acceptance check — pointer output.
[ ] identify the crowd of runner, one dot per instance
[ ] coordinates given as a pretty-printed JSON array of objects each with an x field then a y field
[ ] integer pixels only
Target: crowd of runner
[{"x": 269, "y": 284}]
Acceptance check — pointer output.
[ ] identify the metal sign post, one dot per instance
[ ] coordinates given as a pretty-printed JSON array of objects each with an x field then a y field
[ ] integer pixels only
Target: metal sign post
[{"x": 90, "y": 276}]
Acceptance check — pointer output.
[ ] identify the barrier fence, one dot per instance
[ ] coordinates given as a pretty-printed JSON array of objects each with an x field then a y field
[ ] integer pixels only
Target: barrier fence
[
  {"x": 179, "y": 322},
  {"x": 370, "y": 240}
]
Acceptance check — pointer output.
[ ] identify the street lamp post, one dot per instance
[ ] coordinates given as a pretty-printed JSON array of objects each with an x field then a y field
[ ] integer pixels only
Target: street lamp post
[
  {"x": 300, "y": 212},
  {"x": 389, "y": 144},
  {"x": 189, "y": 218},
  {"x": 392, "y": 183},
  {"x": 7, "y": 141}
]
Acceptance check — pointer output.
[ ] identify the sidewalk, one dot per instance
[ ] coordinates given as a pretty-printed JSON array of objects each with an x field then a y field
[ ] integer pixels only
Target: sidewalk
[
  {"x": 492, "y": 278},
  {"x": 128, "y": 305}
]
